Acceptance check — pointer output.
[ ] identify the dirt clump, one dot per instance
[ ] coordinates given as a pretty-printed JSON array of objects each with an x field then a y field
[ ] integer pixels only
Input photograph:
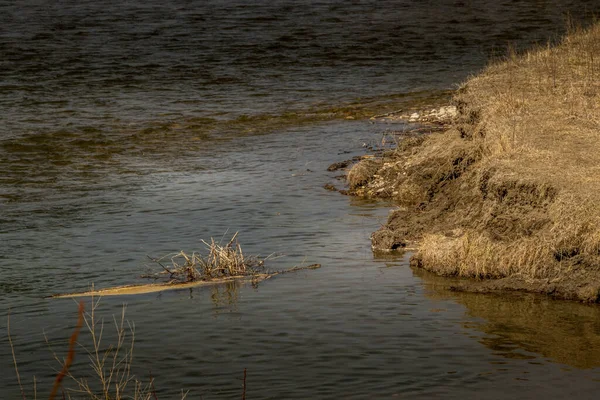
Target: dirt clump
[{"x": 363, "y": 172}]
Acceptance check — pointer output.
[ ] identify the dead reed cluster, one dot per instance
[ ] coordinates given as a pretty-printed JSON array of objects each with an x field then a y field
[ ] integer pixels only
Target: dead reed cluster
[{"x": 219, "y": 261}]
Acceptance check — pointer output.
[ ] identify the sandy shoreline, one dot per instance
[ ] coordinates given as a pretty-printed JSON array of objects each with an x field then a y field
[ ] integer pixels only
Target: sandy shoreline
[{"x": 508, "y": 192}]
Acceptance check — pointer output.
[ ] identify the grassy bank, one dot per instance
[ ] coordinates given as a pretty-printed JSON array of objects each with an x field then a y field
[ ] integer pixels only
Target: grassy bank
[{"x": 510, "y": 193}]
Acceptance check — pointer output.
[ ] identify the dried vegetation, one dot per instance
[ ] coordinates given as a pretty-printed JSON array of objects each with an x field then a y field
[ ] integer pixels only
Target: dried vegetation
[
  {"x": 512, "y": 189},
  {"x": 220, "y": 261}
]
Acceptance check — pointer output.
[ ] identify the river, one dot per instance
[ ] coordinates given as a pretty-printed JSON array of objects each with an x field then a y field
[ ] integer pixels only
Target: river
[{"x": 132, "y": 129}]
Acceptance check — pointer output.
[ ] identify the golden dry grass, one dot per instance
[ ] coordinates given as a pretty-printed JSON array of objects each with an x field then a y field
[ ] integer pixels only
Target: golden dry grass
[
  {"x": 535, "y": 119},
  {"x": 220, "y": 261},
  {"x": 518, "y": 173}
]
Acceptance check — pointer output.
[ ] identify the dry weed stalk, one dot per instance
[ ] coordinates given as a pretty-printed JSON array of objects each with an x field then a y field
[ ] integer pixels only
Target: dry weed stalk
[
  {"x": 12, "y": 349},
  {"x": 71, "y": 355},
  {"x": 112, "y": 378},
  {"x": 220, "y": 261},
  {"x": 111, "y": 366}
]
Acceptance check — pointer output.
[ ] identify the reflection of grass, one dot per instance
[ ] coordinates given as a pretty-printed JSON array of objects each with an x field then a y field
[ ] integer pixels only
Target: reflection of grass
[
  {"x": 110, "y": 376},
  {"x": 565, "y": 332},
  {"x": 225, "y": 295}
]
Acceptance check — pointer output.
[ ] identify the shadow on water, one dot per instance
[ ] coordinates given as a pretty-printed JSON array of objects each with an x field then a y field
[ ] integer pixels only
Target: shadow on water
[{"x": 515, "y": 324}]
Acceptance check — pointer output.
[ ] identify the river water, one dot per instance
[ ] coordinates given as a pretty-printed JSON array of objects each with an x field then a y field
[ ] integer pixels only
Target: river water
[{"x": 137, "y": 128}]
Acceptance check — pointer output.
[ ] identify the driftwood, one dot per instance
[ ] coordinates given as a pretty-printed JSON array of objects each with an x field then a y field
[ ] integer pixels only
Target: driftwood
[{"x": 159, "y": 287}]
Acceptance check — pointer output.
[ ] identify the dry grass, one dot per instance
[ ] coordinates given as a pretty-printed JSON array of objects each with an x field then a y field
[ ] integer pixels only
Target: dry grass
[
  {"x": 220, "y": 261},
  {"x": 542, "y": 106},
  {"x": 478, "y": 256},
  {"x": 518, "y": 174},
  {"x": 220, "y": 264},
  {"x": 536, "y": 120}
]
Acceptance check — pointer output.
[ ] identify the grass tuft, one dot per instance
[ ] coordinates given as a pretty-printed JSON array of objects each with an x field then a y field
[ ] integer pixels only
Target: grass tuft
[{"x": 219, "y": 261}]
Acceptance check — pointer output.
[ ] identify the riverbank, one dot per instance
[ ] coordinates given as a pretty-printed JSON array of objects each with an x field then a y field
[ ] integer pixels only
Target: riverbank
[{"x": 509, "y": 195}]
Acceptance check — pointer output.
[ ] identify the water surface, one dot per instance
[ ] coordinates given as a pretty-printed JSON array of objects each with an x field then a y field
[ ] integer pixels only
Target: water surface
[{"x": 138, "y": 128}]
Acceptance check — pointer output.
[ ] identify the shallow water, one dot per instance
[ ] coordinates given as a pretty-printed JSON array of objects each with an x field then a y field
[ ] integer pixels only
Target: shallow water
[{"x": 138, "y": 128}]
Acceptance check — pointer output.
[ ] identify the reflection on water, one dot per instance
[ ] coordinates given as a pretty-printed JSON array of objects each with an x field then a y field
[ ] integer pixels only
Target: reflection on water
[
  {"x": 517, "y": 325},
  {"x": 225, "y": 295},
  {"x": 359, "y": 327}
]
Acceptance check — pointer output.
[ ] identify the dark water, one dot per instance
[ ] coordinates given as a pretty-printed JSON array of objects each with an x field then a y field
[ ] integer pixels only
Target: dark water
[{"x": 138, "y": 128}]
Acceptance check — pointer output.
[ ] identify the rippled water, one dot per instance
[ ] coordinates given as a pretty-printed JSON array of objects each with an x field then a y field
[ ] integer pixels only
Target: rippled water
[{"x": 138, "y": 128}]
